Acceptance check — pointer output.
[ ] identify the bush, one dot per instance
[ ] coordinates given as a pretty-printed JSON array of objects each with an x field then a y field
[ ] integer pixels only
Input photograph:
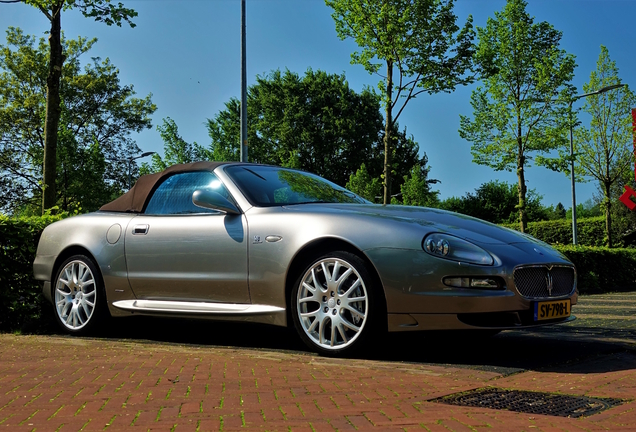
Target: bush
[
  {"x": 601, "y": 269},
  {"x": 22, "y": 302},
  {"x": 590, "y": 231}
]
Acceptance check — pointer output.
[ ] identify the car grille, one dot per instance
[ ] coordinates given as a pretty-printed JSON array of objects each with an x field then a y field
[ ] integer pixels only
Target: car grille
[{"x": 534, "y": 281}]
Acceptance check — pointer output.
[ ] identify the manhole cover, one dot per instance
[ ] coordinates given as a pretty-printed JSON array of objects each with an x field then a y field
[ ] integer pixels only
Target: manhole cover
[{"x": 531, "y": 402}]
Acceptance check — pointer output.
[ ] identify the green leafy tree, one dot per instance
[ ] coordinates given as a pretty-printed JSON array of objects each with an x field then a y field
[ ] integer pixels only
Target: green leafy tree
[
  {"x": 496, "y": 202},
  {"x": 513, "y": 113},
  {"x": 175, "y": 149},
  {"x": 98, "y": 114},
  {"x": 419, "y": 46},
  {"x": 416, "y": 189},
  {"x": 315, "y": 123},
  {"x": 364, "y": 185},
  {"x": 584, "y": 210},
  {"x": 100, "y": 10},
  {"x": 558, "y": 212},
  {"x": 605, "y": 150}
]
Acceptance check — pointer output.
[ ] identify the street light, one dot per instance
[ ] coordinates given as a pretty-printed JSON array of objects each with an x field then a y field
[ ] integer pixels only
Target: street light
[
  {"x": 130, "y": 160},
  {"x": 243, "y": 87},
  {"x": 597, "y": 92}
]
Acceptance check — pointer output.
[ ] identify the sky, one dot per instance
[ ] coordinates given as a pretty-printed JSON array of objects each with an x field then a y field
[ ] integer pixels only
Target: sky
[{"x": 187, "y": 54}]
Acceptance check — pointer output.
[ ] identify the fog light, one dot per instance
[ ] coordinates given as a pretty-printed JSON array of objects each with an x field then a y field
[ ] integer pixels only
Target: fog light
[
  {"x": 458, "y": 282},
  {"x": 465, "y": 282},
  {"x": 483, "y": 283}
]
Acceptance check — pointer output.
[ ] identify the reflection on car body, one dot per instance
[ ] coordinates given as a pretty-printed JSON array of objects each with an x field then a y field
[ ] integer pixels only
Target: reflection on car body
[{"x": 235, "y": 241}]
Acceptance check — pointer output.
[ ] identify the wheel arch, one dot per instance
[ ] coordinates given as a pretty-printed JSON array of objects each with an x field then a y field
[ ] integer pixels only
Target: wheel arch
[
  {"x": 68, "y": 252},
  {"x": 100, "y": 311},
  {"x": 318, "y": 247}
]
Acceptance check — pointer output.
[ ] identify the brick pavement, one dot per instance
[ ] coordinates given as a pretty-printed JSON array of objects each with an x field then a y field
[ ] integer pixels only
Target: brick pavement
[{"x": 52, "y": 383}]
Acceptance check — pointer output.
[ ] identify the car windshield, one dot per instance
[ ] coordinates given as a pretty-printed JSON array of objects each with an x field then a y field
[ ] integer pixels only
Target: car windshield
[{"x": 267, "y": 186}]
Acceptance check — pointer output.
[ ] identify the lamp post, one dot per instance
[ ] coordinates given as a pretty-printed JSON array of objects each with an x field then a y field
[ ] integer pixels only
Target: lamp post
[
  {"x": 243, "y": 87},
  {"x": 130, "y": 160},
  {"x": 597, "y": 92}
]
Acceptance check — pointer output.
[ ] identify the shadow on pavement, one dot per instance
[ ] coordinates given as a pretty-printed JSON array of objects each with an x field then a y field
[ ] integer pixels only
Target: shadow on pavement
[{"x": 560, "y": 348}]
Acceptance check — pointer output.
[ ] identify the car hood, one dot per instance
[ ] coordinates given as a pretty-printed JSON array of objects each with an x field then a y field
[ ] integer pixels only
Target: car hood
[{"x": 463, "y": 226}]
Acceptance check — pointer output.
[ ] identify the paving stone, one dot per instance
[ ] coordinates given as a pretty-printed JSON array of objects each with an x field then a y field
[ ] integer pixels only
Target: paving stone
[{"x": 49, "y": 381}]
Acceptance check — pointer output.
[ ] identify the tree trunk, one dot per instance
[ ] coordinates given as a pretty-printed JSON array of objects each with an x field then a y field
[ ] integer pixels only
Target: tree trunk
[
  {"x": 53, "y": 110},
  {"x": 523, "y": 217},
  {"x": 608, "y": 215},
  {"x": 388, "y": 127}
]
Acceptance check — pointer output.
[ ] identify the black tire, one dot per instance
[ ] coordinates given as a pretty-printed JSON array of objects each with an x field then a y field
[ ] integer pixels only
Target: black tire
[
  {"x": 325, "y": 316},
  {"x": 79, "y": 298}
]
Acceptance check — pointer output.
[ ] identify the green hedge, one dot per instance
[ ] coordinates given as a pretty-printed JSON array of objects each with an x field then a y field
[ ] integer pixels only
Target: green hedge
[
  {"x": 590, "y": 231},
  {"x": 21, "y": 302},
  {"x": 601, "y": 269}
]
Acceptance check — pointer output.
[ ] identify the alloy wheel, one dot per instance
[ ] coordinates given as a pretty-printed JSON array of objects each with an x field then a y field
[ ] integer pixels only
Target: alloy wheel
[
  {"x": 75, "y": 295},
  {"x": 332, "y": 303}
]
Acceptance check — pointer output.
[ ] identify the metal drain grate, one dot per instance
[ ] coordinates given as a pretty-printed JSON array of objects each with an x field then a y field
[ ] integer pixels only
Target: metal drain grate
[{"x": 531, "y": 402}]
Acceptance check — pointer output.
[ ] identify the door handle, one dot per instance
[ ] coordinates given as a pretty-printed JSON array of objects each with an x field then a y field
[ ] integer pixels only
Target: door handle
[{"x": 140, "y": 229}]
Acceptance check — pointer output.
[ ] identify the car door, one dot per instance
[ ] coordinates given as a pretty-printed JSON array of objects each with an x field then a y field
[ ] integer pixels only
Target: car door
[{"x": 180, "y": 252}]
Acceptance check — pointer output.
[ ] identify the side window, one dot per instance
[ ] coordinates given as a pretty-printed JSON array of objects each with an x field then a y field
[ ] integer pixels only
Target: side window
[{"x": 174, "y": 195}]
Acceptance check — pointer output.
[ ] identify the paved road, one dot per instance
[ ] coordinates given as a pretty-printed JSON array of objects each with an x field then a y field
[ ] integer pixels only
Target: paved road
[{"x": 152, "y": 374}]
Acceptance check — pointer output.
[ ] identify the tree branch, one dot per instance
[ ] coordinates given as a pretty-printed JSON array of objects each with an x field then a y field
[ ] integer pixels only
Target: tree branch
[{"x": 409, "y": 97}]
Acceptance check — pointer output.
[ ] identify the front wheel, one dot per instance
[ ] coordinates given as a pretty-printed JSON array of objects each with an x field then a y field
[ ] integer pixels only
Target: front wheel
[
  {"x": 335, "y": 304},
  {"x": 78, "y": 295}
]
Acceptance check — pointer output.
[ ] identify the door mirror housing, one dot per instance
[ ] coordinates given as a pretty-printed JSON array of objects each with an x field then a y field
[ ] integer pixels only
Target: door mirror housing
[{"x": 208, "y": 199}]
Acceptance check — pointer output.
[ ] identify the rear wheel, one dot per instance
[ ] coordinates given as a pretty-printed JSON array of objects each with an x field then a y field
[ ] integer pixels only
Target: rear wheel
[
  {"x": 78, "y": 295},
  {"x": 335, "y": 304}
]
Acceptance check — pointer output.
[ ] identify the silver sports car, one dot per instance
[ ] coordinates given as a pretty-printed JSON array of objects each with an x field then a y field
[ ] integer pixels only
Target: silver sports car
[{"x": 237, "y": 241}]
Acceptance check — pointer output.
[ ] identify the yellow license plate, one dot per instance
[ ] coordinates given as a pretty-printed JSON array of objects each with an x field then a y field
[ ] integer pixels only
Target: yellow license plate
[{"x": 552, "y": 309}]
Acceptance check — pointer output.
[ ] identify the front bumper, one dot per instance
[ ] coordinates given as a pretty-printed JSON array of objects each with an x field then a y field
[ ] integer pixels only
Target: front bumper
[
  {"x": 46, "y": 291},
  {"x": 483, "y": 321},
  {"x": 417, "y": 298}
]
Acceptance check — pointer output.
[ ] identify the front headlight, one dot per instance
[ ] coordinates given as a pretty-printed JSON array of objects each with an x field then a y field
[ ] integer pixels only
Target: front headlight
[{"x": 454, "y": 248}]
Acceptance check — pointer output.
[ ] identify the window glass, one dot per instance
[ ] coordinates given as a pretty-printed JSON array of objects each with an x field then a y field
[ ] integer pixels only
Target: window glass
[
  {"x": 174, "y": 195},
  {"x": 267, "y": 186}
]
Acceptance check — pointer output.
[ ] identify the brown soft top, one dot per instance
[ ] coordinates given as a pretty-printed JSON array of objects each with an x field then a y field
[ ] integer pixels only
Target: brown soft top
[{"x": 135, "y": 199}]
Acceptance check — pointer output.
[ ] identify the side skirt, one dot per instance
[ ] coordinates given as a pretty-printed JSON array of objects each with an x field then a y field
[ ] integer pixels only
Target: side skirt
[{"x": 217, "y": 311}]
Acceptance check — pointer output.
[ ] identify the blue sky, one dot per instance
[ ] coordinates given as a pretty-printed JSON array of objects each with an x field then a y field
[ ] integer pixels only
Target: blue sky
[{"x": 186, "y": 53}]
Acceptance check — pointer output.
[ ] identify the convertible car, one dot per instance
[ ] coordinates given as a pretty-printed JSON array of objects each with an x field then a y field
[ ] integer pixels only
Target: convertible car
[{"x": 237, "y": 241}]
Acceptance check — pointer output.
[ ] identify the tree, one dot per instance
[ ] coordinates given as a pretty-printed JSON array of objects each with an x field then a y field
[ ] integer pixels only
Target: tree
[
  {"x": 559, "y": 211},
  {"x": 496, "y": 202},
  {"x": 100, "y": 10},
  {"x": 419, "y": 45},
  {"x": 587, "y": 209},
  {"x": 364, "y": 185},
  {"x": 416, "y": 189},
  {"x": 514, "y": 114},
  {"x": 97, "y": 115},
  {"x": 175, "y": 149},
  {"x": 315, "y": 123},
  {"x": 605, "y": 150}
]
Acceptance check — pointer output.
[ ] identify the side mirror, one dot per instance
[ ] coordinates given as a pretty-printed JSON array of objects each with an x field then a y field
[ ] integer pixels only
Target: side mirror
[{"x": 211, "y": 200}]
